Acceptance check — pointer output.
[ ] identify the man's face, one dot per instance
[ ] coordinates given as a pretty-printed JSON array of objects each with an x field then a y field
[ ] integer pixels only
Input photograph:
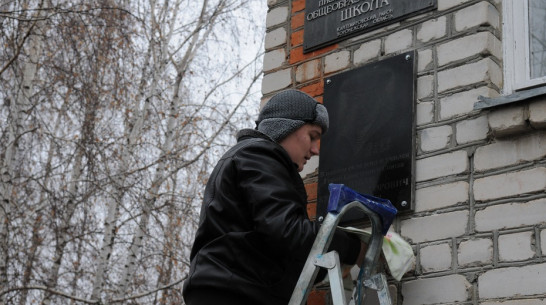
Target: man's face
[{"x": 302, "y": 144}]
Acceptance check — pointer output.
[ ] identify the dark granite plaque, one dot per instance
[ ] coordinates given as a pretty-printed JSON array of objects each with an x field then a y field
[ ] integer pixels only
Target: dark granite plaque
[
  {"x": 369, "y": 145},
  {"x": 329, "y": 21}
]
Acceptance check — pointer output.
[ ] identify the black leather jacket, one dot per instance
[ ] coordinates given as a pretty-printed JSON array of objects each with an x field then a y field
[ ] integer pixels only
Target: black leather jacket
[{"x": 254, "y": 234}]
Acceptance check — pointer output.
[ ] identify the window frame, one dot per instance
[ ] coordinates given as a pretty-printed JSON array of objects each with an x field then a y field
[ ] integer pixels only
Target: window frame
[{"x": 517, "y": 69}]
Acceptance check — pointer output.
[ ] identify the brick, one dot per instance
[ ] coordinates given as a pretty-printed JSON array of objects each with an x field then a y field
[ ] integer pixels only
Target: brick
[
  {"x": 441, "y": 196},
  {"x": 425, "y": 60},
  {"x": 296, "y": 54},
  {"x": 314, "y": 90},
  {"x": 275, "y": 38},
  {"x": 510, "y": 184},
  {"x": 441, "y": 166},
  {"x": 515, "y": 247},
  {"x": 432, "y": 29},
  {"x": 485, "y": 70},
  {"x": 317, "y": 297},
  {"x": 296, "y": 38},
  {"x": 398, "y": 41},
  {"x": 447, "y": 4},
  {"x": 308, "y": 71},
  {"x": 433, "y": 290},
  {"x": 312, "y": 210},
  {"x": 274, "y": 59},
  {"x": 336, "y": 61},
  {"x": 475, "y": 252},
  {"x": 508, "y": 120},
  {"x": 435, "y": 227},
  {"x": 425, "y": 86},
  {"x": 482, "y": 43},
  {"x": 511, "y": 215},
  {"x": 517, "y": 302},
  {"x": 436, "y": 258},
  {"x": 367, "y": 51},
  {"x": 276, "y": 16},
  {"x": 543, "y": 242},
  {"x": 462, "y": 103},
  {"x": 511, "y": 152},
  {"x": 425, "y": 113},
  {"x": 276, "y": 81},
  {"x": 311, "y": 189},
  {"x": 513, "y": 281},
  {"x": 480, "y": 14},
  {"x": 298, "y": 5},
  {"x": 537, "y": 114},
  {"x": 435, "y": 138},
  {"x": 472, "y": 130},
  {"x": 297, "y": 21}
]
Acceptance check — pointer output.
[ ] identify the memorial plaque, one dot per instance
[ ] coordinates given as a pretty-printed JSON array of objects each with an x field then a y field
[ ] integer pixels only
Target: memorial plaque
[
  {"x": 329, "y": 21},
  {"x": 369, "y": 144}
]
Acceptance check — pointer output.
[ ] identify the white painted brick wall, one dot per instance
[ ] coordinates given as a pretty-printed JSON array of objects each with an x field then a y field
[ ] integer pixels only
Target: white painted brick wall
[
  {"x": 513, "y": 281},
  {"x": 511, "y": 151},
  {"x": 482, "y": 13},
  {"x": 435, "y": 227},
  {"x": 398, "y": 41},
  {"x": 441, "y": 196},
  {"x": 510, "y": 184},
  {"x": 445, "y": 289},
  {"x": 276, "y": 16},
  {"x": 336, "y": 61},
  {"x": 432, "y": 29},
  {"x": 276, "y": 81},
  {"x": 475, "y": 252},
  {"x": 424, "y": 60},
  {"x": 481, "y": 43},
  {"x": 436, "y": 258},
  {"x": 435, "y": 138},
  {"x": 537, "y": 114},
  {"x": 425, "y": 113},
  {"x": 447, "y": 4},
  {"x": 543, "y": 242},
  {"x": 515, "y": 246},
  {"x": 425, "y": 86},
  {"x": 508, "y": 120},
  {"x": 307, "y": 71},
  {"x": 274, "y": 59},
  {"x": 511, "y": 215},
  {"x": 472, "y": 130},
  {"x": 485, "y": 70},
  {"x": 462, "y": 103},
  {"x": 441, "y": 166},
  {"x": 367, "y": 51},
  {"x": 275, "y": 38}
]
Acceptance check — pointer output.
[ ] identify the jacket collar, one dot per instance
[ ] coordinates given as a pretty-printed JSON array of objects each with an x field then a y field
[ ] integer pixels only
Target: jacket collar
[
  {"x": 248, "y": 133},
  {"x": 251, "y": 133}
]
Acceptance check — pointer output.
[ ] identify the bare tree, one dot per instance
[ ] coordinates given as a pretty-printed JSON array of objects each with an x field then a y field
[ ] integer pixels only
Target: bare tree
[{"x": 113, "y": 114}]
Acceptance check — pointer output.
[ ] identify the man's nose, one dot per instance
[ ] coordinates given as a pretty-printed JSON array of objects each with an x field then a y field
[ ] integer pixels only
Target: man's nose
[{"x": 315, "y": 149}]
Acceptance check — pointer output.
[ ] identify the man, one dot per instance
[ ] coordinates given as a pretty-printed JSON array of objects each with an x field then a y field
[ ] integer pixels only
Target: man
[{"x": 254, "y": 234}]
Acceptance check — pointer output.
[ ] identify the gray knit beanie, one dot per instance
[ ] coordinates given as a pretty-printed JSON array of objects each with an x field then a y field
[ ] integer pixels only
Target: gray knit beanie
[{"x": 287, "y": 111}]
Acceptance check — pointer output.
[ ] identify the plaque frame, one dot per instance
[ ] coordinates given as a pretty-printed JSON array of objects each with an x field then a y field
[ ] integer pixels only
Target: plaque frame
[
  {"x": 375, "y": 155},
  {"x": 329, "y": 21}
]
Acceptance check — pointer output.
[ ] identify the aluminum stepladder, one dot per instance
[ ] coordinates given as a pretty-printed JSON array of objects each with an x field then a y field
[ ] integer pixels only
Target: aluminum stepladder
[{"x": 381, "y": 214}]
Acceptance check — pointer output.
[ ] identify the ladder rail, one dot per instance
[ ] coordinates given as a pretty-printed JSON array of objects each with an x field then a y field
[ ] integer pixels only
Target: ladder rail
[{"x": 322, "y": 242}]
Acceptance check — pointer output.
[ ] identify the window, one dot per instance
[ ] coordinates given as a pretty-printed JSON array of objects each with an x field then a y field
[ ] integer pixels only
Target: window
[{"x": 524, "y": 36}]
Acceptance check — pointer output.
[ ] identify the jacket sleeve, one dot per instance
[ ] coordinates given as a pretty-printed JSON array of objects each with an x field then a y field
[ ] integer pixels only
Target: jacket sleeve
[{"x": 277, "y": 202}]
